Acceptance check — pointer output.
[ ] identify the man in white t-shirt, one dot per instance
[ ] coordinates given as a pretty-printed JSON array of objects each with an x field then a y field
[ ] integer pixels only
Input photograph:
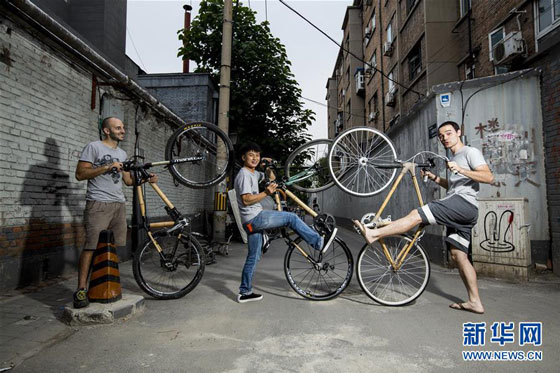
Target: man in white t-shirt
[{"x": 458, "y": 210}]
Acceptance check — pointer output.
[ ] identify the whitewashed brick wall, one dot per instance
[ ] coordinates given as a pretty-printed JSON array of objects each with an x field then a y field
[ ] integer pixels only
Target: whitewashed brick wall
[{"x": 45, "y": 121}]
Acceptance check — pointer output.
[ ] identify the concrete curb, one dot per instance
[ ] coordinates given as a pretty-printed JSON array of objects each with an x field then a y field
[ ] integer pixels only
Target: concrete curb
[{"x": 103, "y": 313}]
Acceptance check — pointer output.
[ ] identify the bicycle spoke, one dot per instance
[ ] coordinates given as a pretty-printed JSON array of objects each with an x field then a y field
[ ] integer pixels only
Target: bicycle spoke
[
  {"x": 353, "y": 159},
  {"x": 384, "y": 284},
  {"x": 172, "y": 276},
  {"x": 320, "y": 281}
]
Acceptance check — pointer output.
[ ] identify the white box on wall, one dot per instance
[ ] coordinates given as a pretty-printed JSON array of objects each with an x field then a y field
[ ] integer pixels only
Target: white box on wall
[{"x": 501, "y": 245}]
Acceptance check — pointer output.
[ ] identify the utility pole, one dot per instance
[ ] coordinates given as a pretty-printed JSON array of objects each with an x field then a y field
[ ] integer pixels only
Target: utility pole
[{"x": 219, "y": 219}]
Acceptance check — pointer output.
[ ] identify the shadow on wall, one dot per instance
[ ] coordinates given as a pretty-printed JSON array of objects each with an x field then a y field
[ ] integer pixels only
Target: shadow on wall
[{"x": 48, "y": 243}]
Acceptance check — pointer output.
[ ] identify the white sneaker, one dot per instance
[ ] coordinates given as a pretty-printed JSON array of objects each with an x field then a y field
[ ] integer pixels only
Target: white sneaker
[{"x": 328, "y": 239}]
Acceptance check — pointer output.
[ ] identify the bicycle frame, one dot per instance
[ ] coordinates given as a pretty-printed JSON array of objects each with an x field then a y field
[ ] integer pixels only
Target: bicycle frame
[
  {"x": 397, "y": 262},
  {"x": 282, "y": 187},
  {"x": 140, "y": 174}
]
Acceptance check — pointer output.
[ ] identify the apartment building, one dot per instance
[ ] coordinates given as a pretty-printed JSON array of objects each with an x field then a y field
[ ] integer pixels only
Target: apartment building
[
  {"x": 510, "y": 35},
  {"x": 402, "y": 52},
  {"x": 410, "y": 46}
]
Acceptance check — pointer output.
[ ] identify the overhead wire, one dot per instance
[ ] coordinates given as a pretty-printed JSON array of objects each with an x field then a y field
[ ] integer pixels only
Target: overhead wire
[
  {"x": 134, "y": 46},
  {"x": 350, "y": 52},
  {"x": 442, "y": 64}
]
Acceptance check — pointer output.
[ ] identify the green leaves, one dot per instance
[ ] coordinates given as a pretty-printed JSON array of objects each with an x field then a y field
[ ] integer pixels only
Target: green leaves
[{"x": 265, "y": 104}]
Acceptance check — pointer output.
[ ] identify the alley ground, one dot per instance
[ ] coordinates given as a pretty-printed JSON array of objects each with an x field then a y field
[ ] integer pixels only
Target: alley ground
[{"x": 207, "y": 331}]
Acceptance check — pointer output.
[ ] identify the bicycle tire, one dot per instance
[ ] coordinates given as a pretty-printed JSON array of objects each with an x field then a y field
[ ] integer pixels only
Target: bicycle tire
[
  {"x": 202, "y": 140},
  {"x": 162, "y": 283},
  {"x": 353, "y": 158},
  {"x": 308, "y": 155},
  {"x": 385, "y": 285},
  {"x": 319, "y": 284}
]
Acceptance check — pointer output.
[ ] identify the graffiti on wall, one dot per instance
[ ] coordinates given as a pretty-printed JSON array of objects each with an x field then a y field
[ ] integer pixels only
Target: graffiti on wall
[
  {"x": 498, "y": 234},
  {"x": 508, "y": 151}
]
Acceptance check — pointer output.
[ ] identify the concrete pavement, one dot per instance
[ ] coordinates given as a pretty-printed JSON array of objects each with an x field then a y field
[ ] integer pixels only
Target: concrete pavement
[{"x": 207, "y": 331}]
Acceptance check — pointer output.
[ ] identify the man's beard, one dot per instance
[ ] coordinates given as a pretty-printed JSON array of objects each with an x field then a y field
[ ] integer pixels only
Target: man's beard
[{"x": 114, "y": 137}]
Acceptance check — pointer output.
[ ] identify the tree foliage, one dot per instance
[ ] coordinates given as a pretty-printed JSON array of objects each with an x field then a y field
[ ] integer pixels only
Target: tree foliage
[{"x": 265, "y": 103}]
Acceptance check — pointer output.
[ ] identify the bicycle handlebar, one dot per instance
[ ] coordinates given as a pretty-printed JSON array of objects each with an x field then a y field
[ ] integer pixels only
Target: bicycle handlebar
[{"x": 132, "y": 166}]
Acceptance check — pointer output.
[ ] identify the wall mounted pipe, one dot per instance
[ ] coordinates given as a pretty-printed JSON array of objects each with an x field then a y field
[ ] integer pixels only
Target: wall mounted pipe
[{"x": 38, "y": 17}]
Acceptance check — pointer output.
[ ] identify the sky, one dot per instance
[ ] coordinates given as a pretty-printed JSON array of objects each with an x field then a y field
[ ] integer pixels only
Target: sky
[{"x": 152, "y": 42}]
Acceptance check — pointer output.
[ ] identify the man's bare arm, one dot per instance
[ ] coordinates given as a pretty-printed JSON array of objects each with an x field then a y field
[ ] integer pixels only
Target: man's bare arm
[
  {"x": 251, "y": 199},
  {"x": 481, "y": 174},
  {"x": 86, "y": 171}
]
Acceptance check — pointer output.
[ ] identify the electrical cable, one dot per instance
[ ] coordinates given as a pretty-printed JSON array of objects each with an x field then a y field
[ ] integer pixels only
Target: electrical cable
[
  {"x": 349, "y": 52},
  {"x": 134, "y": 46}
]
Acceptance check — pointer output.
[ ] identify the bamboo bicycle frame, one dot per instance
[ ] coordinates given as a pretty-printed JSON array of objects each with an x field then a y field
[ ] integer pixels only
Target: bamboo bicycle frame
[
  {"x": 397, "y": 262},
  {"x": 161, "y": 224},
  {"x": 299, "y": 202}
]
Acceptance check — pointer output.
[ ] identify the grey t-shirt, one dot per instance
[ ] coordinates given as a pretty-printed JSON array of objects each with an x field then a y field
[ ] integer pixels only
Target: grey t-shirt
[
  {"x": 247, "y": 182},
  {"x": 106, "y": 187},
  {"x": 468, "y": 158}
]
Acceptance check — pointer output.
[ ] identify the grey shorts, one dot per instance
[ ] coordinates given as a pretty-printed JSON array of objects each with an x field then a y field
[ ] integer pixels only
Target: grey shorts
[
  {"x": 457, "y": 214},
  {"x": 99, "y": 216}
]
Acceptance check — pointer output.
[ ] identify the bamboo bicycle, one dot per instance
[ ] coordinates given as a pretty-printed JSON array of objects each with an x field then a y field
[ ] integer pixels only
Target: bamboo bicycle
[
  {"x": 394, "y": 270},
  {"x": 171, "y": 262},
  {"x": 311, "y": 274}
]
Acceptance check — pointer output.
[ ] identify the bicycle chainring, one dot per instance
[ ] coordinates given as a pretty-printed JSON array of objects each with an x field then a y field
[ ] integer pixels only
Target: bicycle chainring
[{"x": 324, "y": 223}]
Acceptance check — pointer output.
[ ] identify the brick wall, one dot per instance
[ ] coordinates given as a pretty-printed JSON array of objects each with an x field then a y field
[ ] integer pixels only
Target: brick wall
[{"x": 45, "y": 121}]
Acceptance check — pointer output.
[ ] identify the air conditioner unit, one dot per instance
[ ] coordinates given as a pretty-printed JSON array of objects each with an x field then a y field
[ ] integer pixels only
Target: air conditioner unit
[
  {"x": 360, "y": 84},
  {"x": 367, "y": 33},
  {"x": 373, "y": 116},
  {"x": 507, "y": 49},
  {"x": 388, "y": 48},
  {"x": 390, "y": 98}
]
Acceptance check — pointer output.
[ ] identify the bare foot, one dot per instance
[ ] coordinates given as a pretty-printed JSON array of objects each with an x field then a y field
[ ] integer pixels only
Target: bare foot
[
  {"x": 368, "y": 237},
  {"x": 469, "y": 307}
]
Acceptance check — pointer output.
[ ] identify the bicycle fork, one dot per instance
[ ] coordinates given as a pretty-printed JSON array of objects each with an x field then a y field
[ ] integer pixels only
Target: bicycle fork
[{"x": 397, "y": 263}]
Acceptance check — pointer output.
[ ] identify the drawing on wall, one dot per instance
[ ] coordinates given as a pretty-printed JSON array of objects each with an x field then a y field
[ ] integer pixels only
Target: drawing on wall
[
  {"x": 509, "y": 151},
  {"x": 498, "y": 234}
]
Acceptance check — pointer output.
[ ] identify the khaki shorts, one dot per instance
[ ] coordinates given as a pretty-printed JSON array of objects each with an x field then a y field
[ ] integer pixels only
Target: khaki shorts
[{"x": 99, "y": 216}]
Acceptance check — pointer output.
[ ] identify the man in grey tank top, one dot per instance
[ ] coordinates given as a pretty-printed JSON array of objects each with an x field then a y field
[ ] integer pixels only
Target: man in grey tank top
[
  {"x": 101, "y": 164},
  {"x": 458, "y": 211}
]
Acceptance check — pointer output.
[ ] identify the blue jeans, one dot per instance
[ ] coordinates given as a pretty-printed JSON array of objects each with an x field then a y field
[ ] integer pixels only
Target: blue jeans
[{"x": 269, "y": 220}]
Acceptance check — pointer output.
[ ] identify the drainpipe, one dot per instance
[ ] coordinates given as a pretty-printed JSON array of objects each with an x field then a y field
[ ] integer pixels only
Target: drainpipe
[
  {"x": 188, "y": 9},
  {"x": 471, "y": 57},
  {"x": 381, "y": 64},
  {"x": 34, "y": 15}
]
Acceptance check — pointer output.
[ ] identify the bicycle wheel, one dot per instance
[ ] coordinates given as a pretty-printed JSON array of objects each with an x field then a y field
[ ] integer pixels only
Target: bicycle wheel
[
  {"x": 207, "y": 153},
  {"x": 355, "y": 161},
  {"x": 308, "y": 166},
  {"x": 322, "y": 282},
  {"x": 175, "y": 276},
  {"x": 392, "y": 287}
]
